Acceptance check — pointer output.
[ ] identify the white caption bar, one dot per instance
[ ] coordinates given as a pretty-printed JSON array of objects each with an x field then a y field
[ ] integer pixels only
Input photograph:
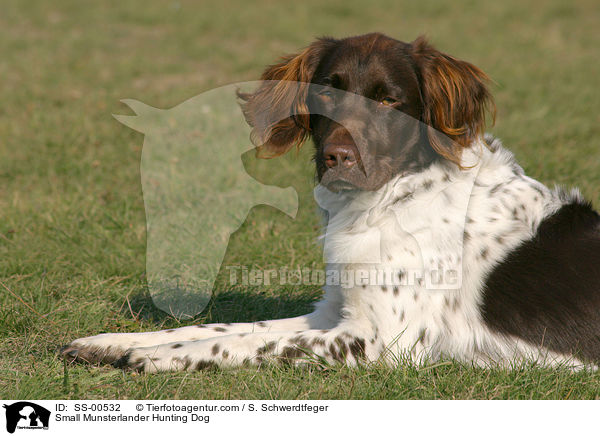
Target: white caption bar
[{"x": 264, "y": 417}]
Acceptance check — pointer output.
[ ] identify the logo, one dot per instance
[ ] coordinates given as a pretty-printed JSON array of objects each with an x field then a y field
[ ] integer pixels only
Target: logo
[
  {"x": 26, "y": 415},
  {"x": 201, "y": 177}
]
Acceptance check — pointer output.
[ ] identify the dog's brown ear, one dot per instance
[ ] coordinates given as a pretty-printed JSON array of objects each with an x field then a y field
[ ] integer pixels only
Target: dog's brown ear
[
  {"x": 277, "y": 110},
  {"x": 455, "y": 97}
]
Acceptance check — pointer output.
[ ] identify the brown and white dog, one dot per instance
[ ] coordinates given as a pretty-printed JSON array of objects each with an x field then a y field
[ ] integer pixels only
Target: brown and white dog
[{"x": 441, "y": 197}]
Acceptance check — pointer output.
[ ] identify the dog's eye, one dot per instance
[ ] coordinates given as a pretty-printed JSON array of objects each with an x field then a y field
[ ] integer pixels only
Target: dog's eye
[
  {"x": 388, "y": 101},
  {"x": 326, "y": 94}
]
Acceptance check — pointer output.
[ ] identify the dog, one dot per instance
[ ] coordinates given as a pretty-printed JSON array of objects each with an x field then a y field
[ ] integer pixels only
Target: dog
[{"x": 441, "y": 194}]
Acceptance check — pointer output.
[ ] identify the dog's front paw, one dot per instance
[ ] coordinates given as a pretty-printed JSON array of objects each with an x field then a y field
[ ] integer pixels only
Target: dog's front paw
[
  {"x": 190, "y": 356},
  {"x": 94, "y": 349},
  {"x": 152, "y": 359}
]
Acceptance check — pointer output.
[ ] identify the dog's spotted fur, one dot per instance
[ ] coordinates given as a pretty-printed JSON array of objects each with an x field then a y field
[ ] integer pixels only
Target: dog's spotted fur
[{"x": 480, "y": 217}]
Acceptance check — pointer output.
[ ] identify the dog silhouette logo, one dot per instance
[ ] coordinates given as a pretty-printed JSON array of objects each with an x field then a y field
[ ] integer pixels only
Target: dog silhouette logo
[
  {"x": 26, "y": 415},
  {"x": 197, "y": 191}
]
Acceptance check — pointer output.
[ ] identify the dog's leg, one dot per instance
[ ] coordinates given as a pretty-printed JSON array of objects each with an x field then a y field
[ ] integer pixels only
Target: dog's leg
[
  {"x": 347, "y": 344},
  {"x": 109, "y": 347}
]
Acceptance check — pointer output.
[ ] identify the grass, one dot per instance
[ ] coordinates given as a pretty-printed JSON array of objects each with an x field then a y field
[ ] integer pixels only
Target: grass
[{"x": 72, "y": 223}]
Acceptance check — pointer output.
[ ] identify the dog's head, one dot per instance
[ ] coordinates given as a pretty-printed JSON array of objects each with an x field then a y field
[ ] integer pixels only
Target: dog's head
[{"x": 375, "y": 107}]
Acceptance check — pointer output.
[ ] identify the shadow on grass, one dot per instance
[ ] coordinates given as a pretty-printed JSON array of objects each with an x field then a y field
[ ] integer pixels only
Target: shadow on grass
[{"x": 230, "y": 306}]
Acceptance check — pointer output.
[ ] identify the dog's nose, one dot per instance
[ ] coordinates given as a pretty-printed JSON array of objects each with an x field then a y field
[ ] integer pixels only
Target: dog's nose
[{"x": 340, "y": 154}]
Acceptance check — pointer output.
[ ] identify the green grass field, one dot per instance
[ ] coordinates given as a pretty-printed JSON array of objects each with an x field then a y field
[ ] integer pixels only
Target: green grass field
[{"x": 72, "y": 223}]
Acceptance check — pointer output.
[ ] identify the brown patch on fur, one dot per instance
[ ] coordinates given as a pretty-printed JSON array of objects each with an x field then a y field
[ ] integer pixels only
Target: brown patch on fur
[
  {"x": 317, "y": 341},
  {"x": 277, "y": 111},
  {"x": 205, "y": 364},
  {"x": 342, "y": 346},
  {"x": 185, "y": 361},
  {"x": 289, "y": 354},
  {"x": 357, "y": 349},
  {"x": 456, "y": 99},
  {"x": 300, "y": 341},
  {"x": 267, "y": 348}
]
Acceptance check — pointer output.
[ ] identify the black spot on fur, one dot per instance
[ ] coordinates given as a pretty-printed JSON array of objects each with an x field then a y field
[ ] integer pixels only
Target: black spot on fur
[
  {"x": 547, "y": 291},
  {"x": 342, "y": 348},
  {"x": 215, "y": 349},
  {"x": 422, "y": 335},
  {"x": 176, "y": 346},
  {"x": 446, "y": 324},
  {"x": 267, "y": 348},
  {"x": 123, "y": 362},
  {"x": 288, "y": 354},
  {"x": 318, "y": 341},
  {"x": 455, "y": 304},
  {"x": 427, "y": 184},
  {"x": 225, "y": 354},
  {"x": 299, "y": 341},
  {"x": 357, "y": 349},
  {"x": 169, "y": 331},
  {"x": 205, "y": 364},
  {"x": 334, "y": 353},
  {"x": 219, "y": 329},
  {"x": 495, "y": 188},
  {"x": 185, "y": 361},
  {"x": 261, "y": 324}
]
